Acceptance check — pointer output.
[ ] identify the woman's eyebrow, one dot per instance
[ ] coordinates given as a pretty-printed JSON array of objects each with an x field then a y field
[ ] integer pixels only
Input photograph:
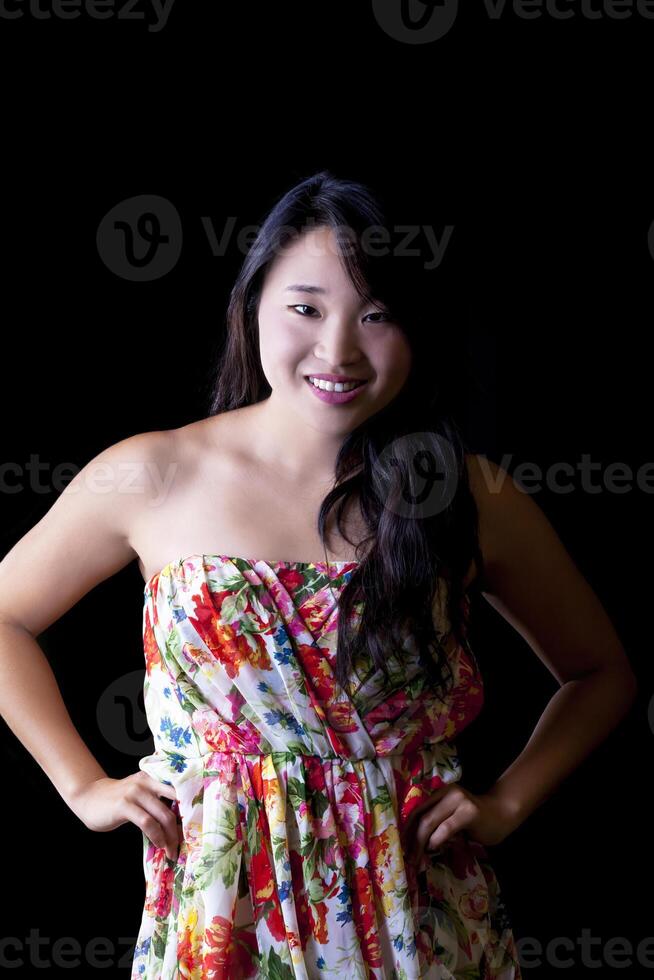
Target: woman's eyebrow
[{"x": 304, "y": 288}]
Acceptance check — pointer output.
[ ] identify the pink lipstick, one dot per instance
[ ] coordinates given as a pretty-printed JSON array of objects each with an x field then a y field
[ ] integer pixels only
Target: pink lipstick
[{"x": 335, "y": 397}]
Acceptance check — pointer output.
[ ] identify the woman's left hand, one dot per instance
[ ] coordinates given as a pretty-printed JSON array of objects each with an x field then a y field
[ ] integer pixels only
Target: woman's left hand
[{"x": 451, "y": 809}]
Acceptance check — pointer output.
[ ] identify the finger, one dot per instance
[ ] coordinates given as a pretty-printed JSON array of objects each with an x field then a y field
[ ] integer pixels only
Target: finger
[
  {"x": 457, "y": 822},
  {"x": 410, "y": 833},
  {"x": 161, "y": 789},
  {"x": 442, "y": 811},
  {"x": 442, "y": 833},
  {"x": 170, "y": 823},
  {"x": 166, "y": 822},
  {"x": 416, "y": 813},
  {"x": 148, "y": 824}
]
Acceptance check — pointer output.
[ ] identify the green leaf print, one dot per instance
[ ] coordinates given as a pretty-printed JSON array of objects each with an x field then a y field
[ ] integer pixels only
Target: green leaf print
[
  {"x": 415, "y": 686},
  {"x": 233, "y": 607},
  {"x": 279, "y": 848},
  {"x": 383, "y": 798},
  {"x": 308, "y": 844},
  {"x": 470, "y": 972},
  {"x": 295, "y": 750},
  {"x": 252, "y": 830},
  {"x": 319, "y": 803},
  {"x": 313, "y": 851},
  {"x": 220, "y": 861},
  {"x": 275, "y": 969},
  {"x": 443, "y": 918},
  {"x": 316, "y": 890},
  {"x": 249, "y": 626},
  {"x": 454, "y": 919},
  {"x": 185, "y": 693},
  {"x": 296, "y": 792},
  {"x": 159, "y": 940}
]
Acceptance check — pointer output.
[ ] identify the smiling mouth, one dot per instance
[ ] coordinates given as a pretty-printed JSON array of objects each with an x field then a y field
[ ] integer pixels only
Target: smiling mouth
[{"x": 335, "y": 385}]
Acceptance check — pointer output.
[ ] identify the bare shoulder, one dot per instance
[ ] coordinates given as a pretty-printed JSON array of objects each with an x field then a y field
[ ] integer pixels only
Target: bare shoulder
[
  {"x": 531, "y": 579},
  {"x": 84, "y": 537}
]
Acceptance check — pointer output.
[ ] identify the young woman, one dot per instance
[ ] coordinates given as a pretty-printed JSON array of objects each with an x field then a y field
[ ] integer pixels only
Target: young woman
[{"x": 309, "y": 551}]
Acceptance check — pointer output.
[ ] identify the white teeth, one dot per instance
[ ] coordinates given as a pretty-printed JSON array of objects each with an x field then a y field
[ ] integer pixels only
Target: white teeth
[{"x": 334, "y": 386}]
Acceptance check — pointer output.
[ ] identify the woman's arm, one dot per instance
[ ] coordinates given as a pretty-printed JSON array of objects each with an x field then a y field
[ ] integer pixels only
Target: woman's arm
[
  {"x": 82, "y": 540},
  {"x": 33, "y": 708},
  {"x": 575, "y": 721},
  {"x": 532, "y": 581}
]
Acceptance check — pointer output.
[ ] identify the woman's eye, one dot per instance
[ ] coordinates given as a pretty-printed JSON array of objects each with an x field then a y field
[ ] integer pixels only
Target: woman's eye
[
  {"x": 384, "y": 314},
  {"x": 304, "y": 306}
]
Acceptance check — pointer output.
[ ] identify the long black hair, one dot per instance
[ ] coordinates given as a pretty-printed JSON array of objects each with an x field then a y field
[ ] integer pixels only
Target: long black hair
[{"x": 407, "y": 463}]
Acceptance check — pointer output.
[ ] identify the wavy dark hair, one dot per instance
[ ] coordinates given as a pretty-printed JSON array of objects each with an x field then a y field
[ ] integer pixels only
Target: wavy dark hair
[{"x": 407, "y": 463}]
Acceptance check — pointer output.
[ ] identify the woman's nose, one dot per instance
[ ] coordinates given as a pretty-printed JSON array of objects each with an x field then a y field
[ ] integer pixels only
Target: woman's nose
[{"x": 338, "y": 347}]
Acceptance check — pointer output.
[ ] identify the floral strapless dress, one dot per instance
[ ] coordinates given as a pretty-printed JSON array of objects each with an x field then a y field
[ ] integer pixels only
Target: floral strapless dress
[{"x": 292, "y": 793}]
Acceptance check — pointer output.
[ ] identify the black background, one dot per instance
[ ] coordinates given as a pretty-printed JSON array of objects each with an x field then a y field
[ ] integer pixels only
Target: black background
[{"x": 530, "y": 138}]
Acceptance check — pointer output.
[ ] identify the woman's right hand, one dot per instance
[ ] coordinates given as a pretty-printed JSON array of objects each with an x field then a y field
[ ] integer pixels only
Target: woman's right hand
[{"x": 106, "y": 803}]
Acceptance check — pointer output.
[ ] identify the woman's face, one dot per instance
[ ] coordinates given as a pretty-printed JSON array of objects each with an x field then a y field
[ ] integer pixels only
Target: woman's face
[{"x": 326, "y": 330}]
